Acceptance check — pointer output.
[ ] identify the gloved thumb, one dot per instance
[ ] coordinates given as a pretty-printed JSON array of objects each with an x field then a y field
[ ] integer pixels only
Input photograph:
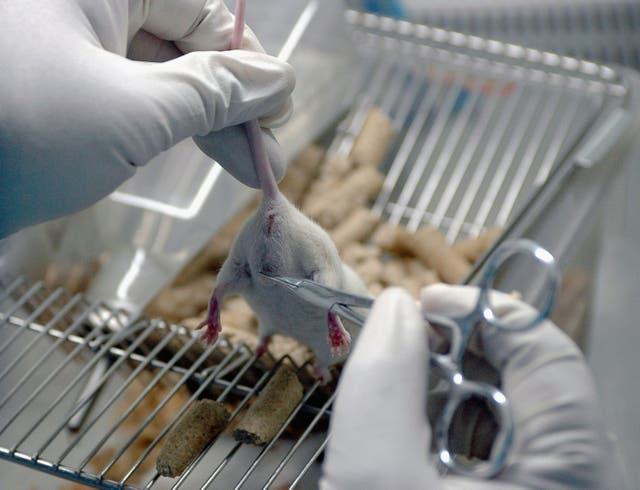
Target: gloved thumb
[
  {"x": 230, "y": 148},
  {"x": 200, "y": 94},
  {"x": 379, "y": 415},
  {"x": 559, "y": 433}
]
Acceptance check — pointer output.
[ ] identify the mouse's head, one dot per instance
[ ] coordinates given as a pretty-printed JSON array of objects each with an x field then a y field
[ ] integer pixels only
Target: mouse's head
[
  {"x": 280, "y": 240},
  {"x": 236, "y": 274},
  {"x": 292, "y": 245}
]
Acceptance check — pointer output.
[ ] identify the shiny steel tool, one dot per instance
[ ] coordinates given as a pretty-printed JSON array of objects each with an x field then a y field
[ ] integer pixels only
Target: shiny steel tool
[{"x": 449, "y": 365}]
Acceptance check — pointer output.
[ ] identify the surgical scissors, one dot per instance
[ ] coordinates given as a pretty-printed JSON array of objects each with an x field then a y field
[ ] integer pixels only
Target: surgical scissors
[{"x": 449, "y": 365}]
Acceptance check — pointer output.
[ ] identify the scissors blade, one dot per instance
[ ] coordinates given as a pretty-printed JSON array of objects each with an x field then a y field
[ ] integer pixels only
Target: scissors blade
[{"x": 324, "y": 297}]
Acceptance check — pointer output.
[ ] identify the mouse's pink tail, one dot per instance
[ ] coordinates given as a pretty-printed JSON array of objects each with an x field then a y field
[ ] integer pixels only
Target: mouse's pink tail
[
  {"x": 238, "y": 26},
  {"x": 261, "y": 163}
]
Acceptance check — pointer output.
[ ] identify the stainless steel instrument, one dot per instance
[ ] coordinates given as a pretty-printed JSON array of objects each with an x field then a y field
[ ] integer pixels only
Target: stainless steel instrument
[{"x": 449, "y": 365}]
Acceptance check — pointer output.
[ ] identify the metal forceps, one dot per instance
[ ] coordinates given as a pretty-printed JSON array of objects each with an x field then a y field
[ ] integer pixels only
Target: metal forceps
[{"x": 449, "y": 365}]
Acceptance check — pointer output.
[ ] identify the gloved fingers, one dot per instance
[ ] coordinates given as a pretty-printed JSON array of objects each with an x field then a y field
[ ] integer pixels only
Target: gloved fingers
[
  {"x": 513, "y": 353},
  {"x": 559, "y": 433},
  {"x": 558, "y": 428},
  {"x": 500, "y": 346},
  {"x": 278, "y": 118},
  {"x": 473, "y": 427},
  {"x": 213, "y": 32},
  {"x": 146, "y": 47},
  {"x": 453, "y": 482},
  {"x": 379, "y": 417},
  {"x": 195, "y": 94},
  {"x": 459, "y": 300},
  {"x": 230, "y": 148},
  {"x": 195, "y": 25},
  {"x": 173, "y": 27},
  {"x": 243, "y": 85}
]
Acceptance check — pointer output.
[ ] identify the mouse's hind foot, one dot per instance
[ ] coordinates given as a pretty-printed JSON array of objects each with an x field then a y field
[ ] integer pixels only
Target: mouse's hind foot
[{"x": 339, "y": 338}]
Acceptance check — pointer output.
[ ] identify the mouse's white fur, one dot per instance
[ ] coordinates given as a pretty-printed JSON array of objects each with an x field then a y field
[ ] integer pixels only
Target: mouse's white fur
[{"x": 279, "y": 240}]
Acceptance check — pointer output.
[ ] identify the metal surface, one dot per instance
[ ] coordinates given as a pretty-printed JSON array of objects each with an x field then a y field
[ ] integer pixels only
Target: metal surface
[
  {"x": 33, "y": 418},
  {"x": 606, "y": 31},
  {"x": 449, "y": 365},
  {"x": 325, "y": 298},
  {"x": 481, "y": 126}
]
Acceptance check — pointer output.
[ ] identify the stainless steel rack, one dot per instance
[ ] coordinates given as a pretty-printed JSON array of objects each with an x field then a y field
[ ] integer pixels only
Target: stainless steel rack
[
  {"x": 50, "y": 348},
  {"x": 482, "y": 128},
  {"x": 481, "y": 124},
  {"x": 605, "y": 31}
]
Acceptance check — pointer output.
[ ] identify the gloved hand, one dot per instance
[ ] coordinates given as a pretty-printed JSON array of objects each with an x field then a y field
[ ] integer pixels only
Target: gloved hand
[
  {"x": 380, "y": 435},
  {"x": 77, "y": 115}
]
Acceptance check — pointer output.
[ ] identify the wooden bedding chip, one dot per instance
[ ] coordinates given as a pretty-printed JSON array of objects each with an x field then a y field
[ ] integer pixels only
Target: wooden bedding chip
[
  {"x": 430, "y": 246},
  {"x": 415, "y": 268},
  {"x": 472, "y": 248},
  {"x": 392, "y": 238},
  {"x": 215, "y": 252},
  {"x": 270, "y": 410},
  {"x": 336, "y": 167},
  {"x": 359, "y": 188},
  {"x": 362, "y": 185},
  {"x": 372, "y": 143},
  {"x": 204, "y": 421},
  {"x": 309, "y": 159},
  {"x": 393, "y": 272},
  {"x": 370, "y": 270},
  {"x": 355, "y": 253},
  {"x": 178, "y": 302},
  {"x": 301, "y": 173},
  {"x": 355, "y": 228}
]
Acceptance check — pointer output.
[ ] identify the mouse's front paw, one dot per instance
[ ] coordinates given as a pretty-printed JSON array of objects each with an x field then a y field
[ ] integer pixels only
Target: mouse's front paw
[
  {"x": 339, "y": 338},
  {"x": 212, "y": 323},
  {"x": 263, "y": 346},
  {"x": 210, "y": 335}
]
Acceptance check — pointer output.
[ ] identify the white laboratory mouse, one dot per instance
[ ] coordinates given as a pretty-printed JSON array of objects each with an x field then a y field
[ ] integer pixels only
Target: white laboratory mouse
[{"x": 279, "y": 240}]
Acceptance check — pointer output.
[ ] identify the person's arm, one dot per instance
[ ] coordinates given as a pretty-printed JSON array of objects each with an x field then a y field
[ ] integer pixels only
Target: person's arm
[
  {"x": 91, "y": 90},
  {"x": 380, "y": 435}
]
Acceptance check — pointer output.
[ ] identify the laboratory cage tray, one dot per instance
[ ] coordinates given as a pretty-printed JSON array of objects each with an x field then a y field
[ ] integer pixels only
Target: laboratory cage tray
[{"x": 488, "y": 134}]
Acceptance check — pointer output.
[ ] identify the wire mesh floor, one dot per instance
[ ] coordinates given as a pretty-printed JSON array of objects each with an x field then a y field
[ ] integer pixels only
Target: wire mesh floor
[{"x": 156, "y": 372}]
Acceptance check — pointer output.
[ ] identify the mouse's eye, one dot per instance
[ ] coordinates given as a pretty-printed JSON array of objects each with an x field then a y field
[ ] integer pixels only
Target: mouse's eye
[{"x": 269, "y": 269}]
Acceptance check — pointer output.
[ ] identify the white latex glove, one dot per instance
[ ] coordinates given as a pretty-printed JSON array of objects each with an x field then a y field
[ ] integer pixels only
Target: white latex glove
[
  {"x": 380, "y": 435},
  {"x": 77, "y": 116}
]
